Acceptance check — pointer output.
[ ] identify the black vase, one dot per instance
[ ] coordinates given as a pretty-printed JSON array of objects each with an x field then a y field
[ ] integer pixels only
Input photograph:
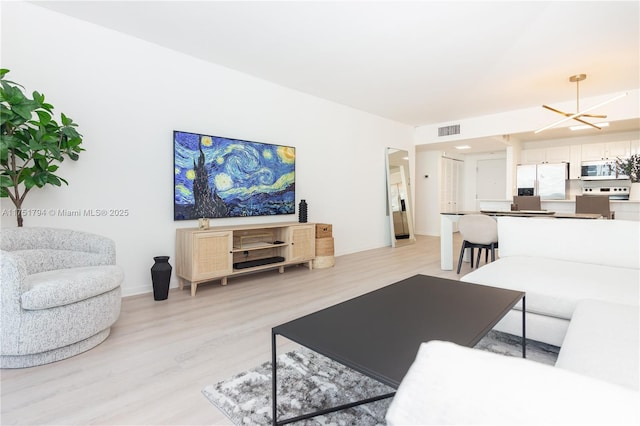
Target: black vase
[
  {"x": 302, "y": 211},
  {"x": 161, "y": 276}
]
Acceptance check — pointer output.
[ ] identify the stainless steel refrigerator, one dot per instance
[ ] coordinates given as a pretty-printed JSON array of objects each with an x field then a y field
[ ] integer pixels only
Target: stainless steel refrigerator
[{"x": 549, "y": 181}]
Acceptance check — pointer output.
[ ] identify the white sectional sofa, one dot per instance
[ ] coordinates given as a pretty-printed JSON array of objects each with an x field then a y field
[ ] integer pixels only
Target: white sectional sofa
[
  {"x": 559, "y": 262},
  {"x": 581, "y": 279},
  {"x": 452, "y": 385}
]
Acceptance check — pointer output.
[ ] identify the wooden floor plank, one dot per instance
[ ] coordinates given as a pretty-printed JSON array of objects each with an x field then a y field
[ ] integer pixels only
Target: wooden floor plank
[{"x": 161, "y": 354}]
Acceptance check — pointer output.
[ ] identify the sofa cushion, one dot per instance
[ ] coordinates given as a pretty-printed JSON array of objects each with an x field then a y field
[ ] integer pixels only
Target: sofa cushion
[
  {"x": 65, "y": 286},
  {"x": 602, "y": 342},
  {"x": 598, "y": 242},
  {"x": 41, "y": 260},
  {"x": 451, "y": 384},
  {"x": 554, "y": 287}
]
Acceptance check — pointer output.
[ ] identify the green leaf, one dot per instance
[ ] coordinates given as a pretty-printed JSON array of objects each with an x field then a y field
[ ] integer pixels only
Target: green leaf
[
  {"x": 53, "y": 180},
  {"x": 5, "y": 181},
  {"x": 23, "y": 110},
  {"x": 14, "y": 95},
  {"x": 29, "y": 182},
  {"x": 66, "y": 121},
  {"x": 69, "y": 132},
  {"x": 38, "y": 98},
  {"x": 44, "y": 117},
  {"x": 42, "y": 163}
]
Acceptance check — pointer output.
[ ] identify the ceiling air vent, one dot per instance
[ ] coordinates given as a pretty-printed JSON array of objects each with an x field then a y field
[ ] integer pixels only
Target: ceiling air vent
[{"x": 449, "y": 130}]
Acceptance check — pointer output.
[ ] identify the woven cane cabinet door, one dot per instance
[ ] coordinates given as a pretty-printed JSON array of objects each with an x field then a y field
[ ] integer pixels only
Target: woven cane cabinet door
[
  {"x": 302, "y": 243},
  {"x": 212, "y": 255},
  {"x": 202, "y": 256}
]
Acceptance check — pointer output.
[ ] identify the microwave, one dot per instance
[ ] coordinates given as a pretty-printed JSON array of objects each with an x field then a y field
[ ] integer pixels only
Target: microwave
[{"x": 600, "y": 170}]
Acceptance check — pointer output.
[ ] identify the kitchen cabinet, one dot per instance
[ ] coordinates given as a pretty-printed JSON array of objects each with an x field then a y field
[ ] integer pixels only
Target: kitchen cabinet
[
  {"x": 575, "y": 162},
  {"x": 558, "y": 154},
  {"x": 204, "y": 255},
  {"x": 606, "y": 150},
  {"x": 555, "y": 154},
  {"x": 533, "y": 156}
]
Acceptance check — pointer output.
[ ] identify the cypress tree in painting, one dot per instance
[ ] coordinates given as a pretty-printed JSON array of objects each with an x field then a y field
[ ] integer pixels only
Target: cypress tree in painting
[{"x": 207, "y": 202}]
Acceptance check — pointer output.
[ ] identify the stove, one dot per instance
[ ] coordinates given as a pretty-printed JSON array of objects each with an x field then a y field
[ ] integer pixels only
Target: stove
[{"x": 613, "y": 192}]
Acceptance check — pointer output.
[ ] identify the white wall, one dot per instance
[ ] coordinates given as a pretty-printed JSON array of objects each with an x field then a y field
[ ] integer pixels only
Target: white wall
[
  {"x": 427, "y": 192},
  {"x": 129, "y": 95}
]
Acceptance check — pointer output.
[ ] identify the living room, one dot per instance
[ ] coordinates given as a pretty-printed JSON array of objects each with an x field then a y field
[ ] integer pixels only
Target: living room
[{"x": 128, "y": 95}]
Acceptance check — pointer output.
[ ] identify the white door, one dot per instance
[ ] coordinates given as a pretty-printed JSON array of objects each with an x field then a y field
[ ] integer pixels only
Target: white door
[
  {"x": 451, "y": 171},
  {"x": 491, "y": 179}
]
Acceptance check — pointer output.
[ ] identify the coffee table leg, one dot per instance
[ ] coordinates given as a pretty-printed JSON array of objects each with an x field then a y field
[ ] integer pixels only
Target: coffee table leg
[
  {"x": 274, "y": 392},
  {"x": 274, "y": 395},
  {"x": 524, "y": 328}
]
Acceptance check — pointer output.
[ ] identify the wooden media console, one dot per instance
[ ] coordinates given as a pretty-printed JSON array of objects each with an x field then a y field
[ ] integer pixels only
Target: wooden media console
[{"x": 204, "y": 255}]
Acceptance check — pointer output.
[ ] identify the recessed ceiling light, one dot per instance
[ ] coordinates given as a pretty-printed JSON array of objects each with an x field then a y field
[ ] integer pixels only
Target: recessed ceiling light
[
  {"x": 585, "y": 126},
  {"x": 463, "y": 147}
]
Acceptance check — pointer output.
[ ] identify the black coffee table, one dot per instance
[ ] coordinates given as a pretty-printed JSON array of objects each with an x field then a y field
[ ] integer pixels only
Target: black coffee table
[{"x": 379, "y": 333}]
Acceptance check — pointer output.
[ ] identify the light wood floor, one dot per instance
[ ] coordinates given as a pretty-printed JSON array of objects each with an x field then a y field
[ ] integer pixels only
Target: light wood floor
[{"x": 160, "y": 355}]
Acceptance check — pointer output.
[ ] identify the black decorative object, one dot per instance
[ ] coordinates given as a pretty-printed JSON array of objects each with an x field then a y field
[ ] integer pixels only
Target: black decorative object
[
  {"x": 302, "y": 211},
  {"x": 161, "y": 276}
]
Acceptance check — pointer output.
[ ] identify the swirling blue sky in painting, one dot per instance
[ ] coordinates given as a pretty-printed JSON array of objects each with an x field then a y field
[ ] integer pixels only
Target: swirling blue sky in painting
[{"x": 244, "y": 174}]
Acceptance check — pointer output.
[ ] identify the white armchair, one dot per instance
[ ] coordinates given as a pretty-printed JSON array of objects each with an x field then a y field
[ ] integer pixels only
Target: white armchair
[{"x": 60, "y": 294}]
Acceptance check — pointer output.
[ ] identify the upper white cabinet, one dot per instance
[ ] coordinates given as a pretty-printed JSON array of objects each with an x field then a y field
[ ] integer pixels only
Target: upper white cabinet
[
  {"x": 575, "y": 162},
  {"x": 556, "y": 154},
  {"x": 533, "y": 156},
  {"x": 606, "y": 150}
]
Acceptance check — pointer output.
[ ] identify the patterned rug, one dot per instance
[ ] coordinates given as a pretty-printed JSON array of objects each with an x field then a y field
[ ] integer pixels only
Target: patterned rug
[{"x": 308, "y": 382}]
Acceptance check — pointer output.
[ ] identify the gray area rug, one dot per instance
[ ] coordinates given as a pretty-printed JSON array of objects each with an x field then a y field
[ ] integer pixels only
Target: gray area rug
[{"x": 309, "y": 382}]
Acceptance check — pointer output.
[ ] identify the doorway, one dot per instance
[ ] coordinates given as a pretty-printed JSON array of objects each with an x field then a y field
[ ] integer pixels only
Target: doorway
[{"x": 491, "y": 180}]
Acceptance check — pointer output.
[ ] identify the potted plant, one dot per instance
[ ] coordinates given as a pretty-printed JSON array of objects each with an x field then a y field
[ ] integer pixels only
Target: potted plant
[
  {"x": 32, "y": 143},
  {"x": 631, "y": 167}
]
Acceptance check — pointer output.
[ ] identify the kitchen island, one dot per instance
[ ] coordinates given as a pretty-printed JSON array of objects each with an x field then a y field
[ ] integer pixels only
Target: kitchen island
[
  {"x": 624, "y": 209},
  {"x": 447, "y": 221}
]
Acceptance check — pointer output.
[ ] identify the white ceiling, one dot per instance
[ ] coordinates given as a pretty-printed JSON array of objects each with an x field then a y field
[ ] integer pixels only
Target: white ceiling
[{"x": 416, "y": 62}]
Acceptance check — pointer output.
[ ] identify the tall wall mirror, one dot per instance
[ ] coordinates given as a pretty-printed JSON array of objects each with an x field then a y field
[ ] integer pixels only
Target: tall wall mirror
[{"x": 399, "y": 194}]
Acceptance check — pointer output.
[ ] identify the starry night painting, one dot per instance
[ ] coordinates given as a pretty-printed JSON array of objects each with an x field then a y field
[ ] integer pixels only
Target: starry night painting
[{"x": 217, "y": 177}]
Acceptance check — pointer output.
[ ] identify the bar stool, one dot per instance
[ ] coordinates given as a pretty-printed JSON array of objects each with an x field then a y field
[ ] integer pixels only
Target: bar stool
[
  {"x": 598, "y": 204},
  {"x": 478, "y": 231},
  {"x": 527, "y": 202}
]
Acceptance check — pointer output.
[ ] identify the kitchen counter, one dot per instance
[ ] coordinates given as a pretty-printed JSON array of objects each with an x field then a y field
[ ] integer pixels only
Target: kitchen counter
[
  {"x": 624, "y": 209},
  {"x": 447, "y": 221}
]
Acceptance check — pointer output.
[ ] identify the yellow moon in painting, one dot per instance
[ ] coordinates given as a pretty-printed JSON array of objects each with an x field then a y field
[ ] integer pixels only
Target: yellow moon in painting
[{"x": 287, "y": 154}]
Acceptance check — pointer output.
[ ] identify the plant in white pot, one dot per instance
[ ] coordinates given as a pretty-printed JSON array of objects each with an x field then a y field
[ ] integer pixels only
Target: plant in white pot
[
  {"x": 32, "y": 143},
  {"x": 631, "y": 167}
]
